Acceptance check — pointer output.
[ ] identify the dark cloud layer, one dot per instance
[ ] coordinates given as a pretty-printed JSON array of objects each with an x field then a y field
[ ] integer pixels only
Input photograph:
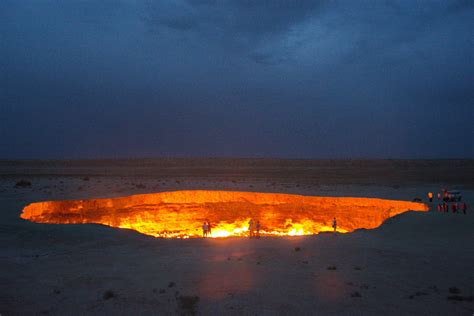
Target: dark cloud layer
[{"x": 301, "y": 78}]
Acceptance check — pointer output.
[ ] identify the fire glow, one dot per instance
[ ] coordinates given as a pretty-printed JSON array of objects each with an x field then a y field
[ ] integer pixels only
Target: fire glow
[{"x": 180, "y": 214}]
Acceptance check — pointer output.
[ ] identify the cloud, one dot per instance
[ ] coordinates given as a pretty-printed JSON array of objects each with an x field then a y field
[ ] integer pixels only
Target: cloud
[
  {"x": 272, "y": 32},
  {"x": 297, "y": 78},
  {"x": 237, "y": 24}
]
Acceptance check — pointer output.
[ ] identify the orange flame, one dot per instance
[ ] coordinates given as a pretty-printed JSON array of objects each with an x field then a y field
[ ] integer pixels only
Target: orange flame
[{"x": 181, "y": 214}]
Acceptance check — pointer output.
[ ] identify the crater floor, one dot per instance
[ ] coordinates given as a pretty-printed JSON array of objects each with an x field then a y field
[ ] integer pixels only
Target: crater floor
[{"x": 182, "y": 213}]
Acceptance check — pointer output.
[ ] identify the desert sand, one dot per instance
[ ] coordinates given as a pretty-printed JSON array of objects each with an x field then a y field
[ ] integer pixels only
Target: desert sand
[{"x": 414, "y": 263}]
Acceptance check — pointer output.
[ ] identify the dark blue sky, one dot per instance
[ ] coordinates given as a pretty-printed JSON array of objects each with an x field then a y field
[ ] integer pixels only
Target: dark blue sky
[{"x": 302, "y": 79}]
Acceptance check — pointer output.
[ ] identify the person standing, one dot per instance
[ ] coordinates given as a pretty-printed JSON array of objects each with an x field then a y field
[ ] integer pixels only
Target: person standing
[
  {"x": 430, "y": 196},
  {"x": 439, "y": 196},
  {"x": 257, "y": 229},
  {"x": 208, "y": 228},
  {"x": 251, "y": 228},
  {"x": 204, "y": 230},
  {"x": 334, "y": 224},
  {"x": 464, "y": 207},
  {"x": 445, "y": 195}
]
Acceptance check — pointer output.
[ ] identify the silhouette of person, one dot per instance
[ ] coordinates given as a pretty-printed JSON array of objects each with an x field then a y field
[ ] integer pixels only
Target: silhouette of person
[
  {"x": 251, "y": 228},
  {"x": 464, "y": 207},
  {"x": 257, "y": 228},
  {"x": 204, "y": 230},
  {"x": 209, "y": 228},
  {"x": 334, "y": 224}
]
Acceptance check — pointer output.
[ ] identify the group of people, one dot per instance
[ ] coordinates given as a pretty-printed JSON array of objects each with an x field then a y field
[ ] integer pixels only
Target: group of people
[
  {"x": 455, "y": 207},
  {"x": 254, "y": 228},
  {"x": 447, "y": 202}
]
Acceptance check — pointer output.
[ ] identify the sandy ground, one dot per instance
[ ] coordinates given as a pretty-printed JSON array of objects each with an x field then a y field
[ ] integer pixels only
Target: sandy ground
[{"x": 415, "y": 263}]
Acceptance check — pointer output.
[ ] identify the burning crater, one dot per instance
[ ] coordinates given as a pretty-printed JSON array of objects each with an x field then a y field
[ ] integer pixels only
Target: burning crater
[{"x": 181, "y": 214}]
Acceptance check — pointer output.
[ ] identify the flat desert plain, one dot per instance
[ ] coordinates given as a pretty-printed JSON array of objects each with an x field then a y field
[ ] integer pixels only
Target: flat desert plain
[{"x": 418, "y": 263}]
